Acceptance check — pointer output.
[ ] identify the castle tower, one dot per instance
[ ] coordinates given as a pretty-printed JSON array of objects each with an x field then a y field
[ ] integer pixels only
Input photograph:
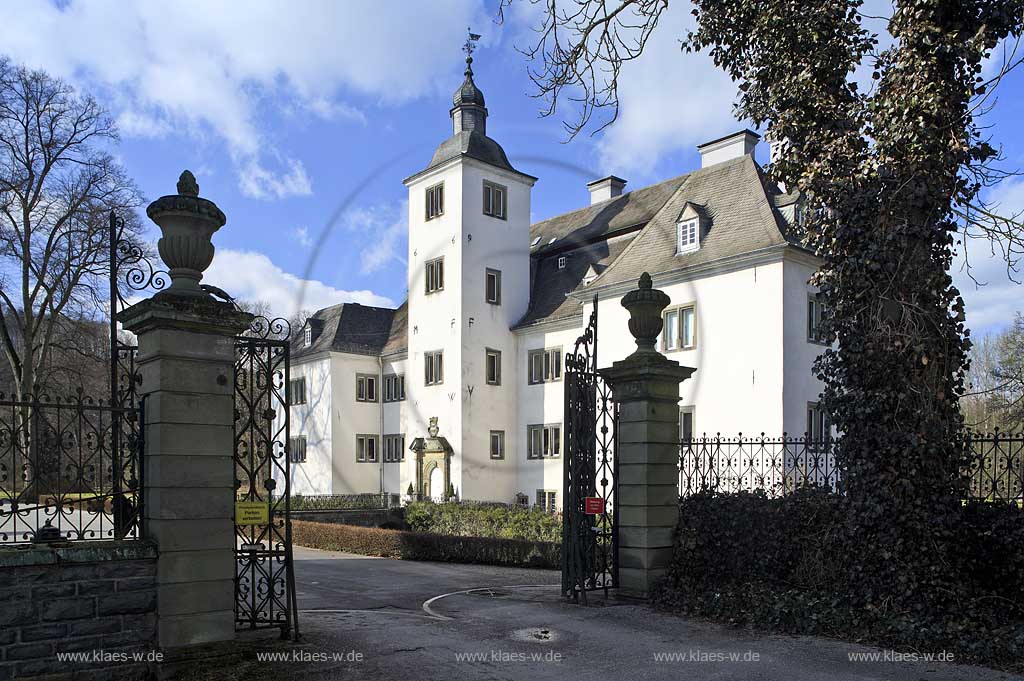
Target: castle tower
[{"x": 469, "y": 269}]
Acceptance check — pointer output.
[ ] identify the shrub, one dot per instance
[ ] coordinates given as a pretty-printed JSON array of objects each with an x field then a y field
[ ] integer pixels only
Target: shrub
[
  {"x": 783, "y": 564},
  {"x": 484, "y": 520},
  {"x": 369, "y": 541}
]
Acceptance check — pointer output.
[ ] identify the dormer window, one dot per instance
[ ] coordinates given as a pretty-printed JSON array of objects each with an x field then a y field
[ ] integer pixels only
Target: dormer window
[
  {"x": 307, "y": 336},
  {"x": 561, "y": 262},
  {"x": 688, "y": 235}
]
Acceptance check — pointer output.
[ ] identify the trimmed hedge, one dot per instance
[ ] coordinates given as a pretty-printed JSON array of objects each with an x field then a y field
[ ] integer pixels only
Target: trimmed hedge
[
  {"x": 779, "y": 564},
  {"x": 370, "y": 541},
  {"x": 484, "y": 520}
]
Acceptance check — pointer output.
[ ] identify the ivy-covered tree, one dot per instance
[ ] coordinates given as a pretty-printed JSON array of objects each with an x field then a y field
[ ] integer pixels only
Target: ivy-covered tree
[{"x": 891, "y": 179}]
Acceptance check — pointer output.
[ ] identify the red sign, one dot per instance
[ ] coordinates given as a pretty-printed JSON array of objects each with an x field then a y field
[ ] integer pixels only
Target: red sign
[{"x": 593, "y": 505}]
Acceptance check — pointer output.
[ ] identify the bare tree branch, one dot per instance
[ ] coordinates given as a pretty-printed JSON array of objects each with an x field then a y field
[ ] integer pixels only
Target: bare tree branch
[{"x": 58, "y": 181}]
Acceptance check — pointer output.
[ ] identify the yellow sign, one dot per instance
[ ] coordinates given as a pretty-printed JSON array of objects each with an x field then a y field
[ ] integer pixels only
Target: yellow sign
[{"x": 252, "y": 513}]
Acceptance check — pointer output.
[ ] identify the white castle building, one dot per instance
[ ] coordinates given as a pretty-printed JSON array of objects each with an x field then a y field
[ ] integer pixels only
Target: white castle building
[{"x": 494, "y": 303}]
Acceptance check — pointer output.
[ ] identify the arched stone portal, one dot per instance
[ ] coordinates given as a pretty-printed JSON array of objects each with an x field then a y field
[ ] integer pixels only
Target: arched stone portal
[
  {"x": 433, "y": 464},
  {"x": 437, "y": 489}
]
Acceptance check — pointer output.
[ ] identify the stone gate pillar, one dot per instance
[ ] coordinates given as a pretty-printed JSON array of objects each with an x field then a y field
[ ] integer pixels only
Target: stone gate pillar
[
  {"x": 646, "y": 386},
  {"x": 186, "y": 364}
]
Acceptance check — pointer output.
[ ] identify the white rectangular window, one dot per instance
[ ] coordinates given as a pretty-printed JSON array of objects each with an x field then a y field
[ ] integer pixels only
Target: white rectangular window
[
  {"x": 297, "y": 449},
  {"x": 544, "y": 365},
  {"x": 680, "y": 329},
  {"x": 818, "y": 428},
  {"x": 494, "y": 200},
  {"x": 561, "y": 262},
  {"x": 670, "y": 333},
  {"x": 366, "y": 448},
  {"x": 816, "y": 421},
  {"x": 493, "y": 367},
  {"x": 688, "y": 236},
  {"x": 433, "y": 368},
  {"x": 544, "y": 441},
  {"x": 435, "y": 275},
  {"x": 492, "y": 286},
  {"x": 297, "y": 390},
  {"x": 307, "y": 336},
  {"x": 394, "y": 448},
  {"x": 547, "y": 499},
  {"x": 366, "y": 388},
  {"x": 815, "y": 312},
  {"x": 687, "y": 321},
  {"x": 435, "y": 201},
  {"x": 686, "y": 423},
  {"x": 394, "y": 388},
  {"x": 497, "y": 444}
]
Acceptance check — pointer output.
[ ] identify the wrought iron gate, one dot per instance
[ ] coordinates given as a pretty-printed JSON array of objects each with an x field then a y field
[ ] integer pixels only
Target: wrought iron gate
[
  {"x": 264, "y": 575},
  {"x": 590, "y": 530}
]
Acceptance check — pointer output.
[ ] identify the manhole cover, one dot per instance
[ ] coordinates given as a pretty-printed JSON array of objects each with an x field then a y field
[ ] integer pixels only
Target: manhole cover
[{"x": 535, "y": 635}]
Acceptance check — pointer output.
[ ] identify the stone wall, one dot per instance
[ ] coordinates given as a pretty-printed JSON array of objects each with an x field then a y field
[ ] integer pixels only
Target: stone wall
[{"x": 95, "y": 597}]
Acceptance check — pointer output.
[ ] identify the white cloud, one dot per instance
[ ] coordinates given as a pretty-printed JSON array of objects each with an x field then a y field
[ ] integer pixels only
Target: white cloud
[
  {"x": 672, "y": 100},
  {"x": 208, "y": 67},
  {"x": 259, "y": 183},
  {"x": 995, "y": 298},
  {"x": 669, "y": 100},
  {"x": 139, "y": 124},
  {"x": 252, "y": 277},
  {"x": 384, "y": 227},
  {"x": 302, "y": 237}
]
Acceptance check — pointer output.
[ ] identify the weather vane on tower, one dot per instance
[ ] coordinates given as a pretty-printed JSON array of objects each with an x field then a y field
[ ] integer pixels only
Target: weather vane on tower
[{"x": 468, "y": 49}]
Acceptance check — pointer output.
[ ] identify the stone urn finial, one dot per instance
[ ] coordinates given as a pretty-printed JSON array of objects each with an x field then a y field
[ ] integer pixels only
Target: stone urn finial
[
  {"x": 187, "y": 223},
  {"x": 187, "y": 185},
  {"x": 645, "y": 305}
]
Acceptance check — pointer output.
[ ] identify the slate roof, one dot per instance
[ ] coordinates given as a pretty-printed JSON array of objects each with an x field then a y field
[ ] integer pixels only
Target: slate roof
[
  {"x": 348, "y": 327},
  {"x": 732, "y": 196},
  {"x": 472, "y": 144},
  {"x": 632, "y": 209},
  {"x": 613, "y": 241},
  {"x": 398, "y": 339},
  {"x": 549, "y": 285}
]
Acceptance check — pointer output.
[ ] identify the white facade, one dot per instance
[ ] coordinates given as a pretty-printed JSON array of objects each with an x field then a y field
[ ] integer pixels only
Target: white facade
[{"x": 749, "y": 308}]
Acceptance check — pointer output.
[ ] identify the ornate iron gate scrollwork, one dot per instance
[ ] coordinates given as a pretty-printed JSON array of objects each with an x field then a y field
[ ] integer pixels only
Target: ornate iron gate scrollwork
[
  {"x": 589, "y": 540},
  {"x": 131, "y": 272},
  {"x": 264, "y": 576}
]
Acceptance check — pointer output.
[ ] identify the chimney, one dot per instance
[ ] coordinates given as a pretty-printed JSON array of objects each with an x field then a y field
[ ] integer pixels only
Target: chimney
[
  {"x": 605, "y": 188},
  {"x": 726, "y": 148}
]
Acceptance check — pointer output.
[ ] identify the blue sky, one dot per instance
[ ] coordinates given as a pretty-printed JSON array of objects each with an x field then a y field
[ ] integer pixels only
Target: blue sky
[{"x": 301, "y": 120}]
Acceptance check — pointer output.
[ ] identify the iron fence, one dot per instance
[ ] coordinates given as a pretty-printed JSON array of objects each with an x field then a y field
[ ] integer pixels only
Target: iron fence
[
  {"x": 777, "y": 466},
  {"x": 774, "y": 465},
  {"x": 70, "y": 470},
  {"x": 996, "y": 471}
]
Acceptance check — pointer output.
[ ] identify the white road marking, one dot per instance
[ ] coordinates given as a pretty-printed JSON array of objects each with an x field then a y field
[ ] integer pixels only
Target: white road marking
[
  {"x": 365, "y": 612},
  {"x": 426, "y": 604}
]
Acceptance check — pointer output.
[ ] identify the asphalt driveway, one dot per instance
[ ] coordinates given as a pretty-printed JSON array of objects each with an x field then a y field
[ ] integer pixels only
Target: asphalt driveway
[{"x": 373, "y": 618}]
